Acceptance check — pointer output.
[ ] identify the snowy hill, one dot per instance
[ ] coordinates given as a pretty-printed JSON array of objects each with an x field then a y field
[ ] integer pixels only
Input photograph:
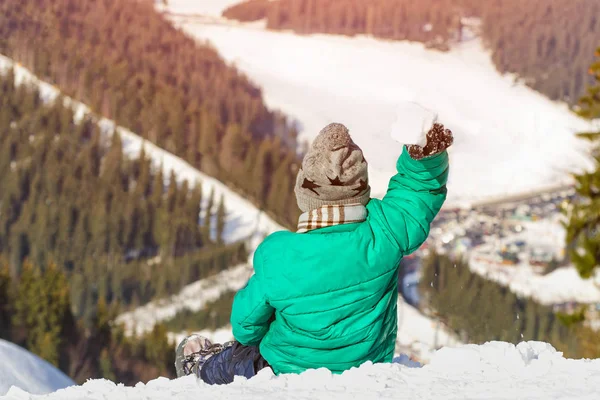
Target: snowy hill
[
  {"x": 509, "y": 138},
  {"x": 243, "y": 222},
  {"x": 20, "y": 368},
  {"x": 417, "y": 334},
  {"x": 495, "y": 370}
]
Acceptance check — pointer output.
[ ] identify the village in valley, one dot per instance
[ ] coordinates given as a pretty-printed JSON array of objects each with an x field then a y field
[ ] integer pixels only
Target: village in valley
[{"x": 517, "y": 242}]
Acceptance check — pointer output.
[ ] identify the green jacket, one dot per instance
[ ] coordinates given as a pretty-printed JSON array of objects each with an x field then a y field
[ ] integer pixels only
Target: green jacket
[{"x": 327, "y": 298}]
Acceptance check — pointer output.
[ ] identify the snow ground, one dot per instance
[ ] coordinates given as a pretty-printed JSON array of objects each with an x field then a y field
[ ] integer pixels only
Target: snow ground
[
  {"x": 495, "y": 370},
  {"x": 509, "y": 138},
  {"x": 243, "y": 221},
  {"x": 560, "y": 286},
  {"x": 22, "y": 369}
]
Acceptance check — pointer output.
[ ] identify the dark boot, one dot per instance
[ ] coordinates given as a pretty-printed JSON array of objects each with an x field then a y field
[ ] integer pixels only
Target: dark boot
[{"x": 236, "y": 360}]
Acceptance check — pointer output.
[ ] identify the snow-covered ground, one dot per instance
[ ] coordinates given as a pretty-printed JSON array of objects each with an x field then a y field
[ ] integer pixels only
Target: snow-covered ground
[
  {"x": 22, "y": 369},
  {"x": 495, "y": 370},
  {"x": 243, "y": 221},
  {"x": 192, "y": 297},
  {"x": 509, "y": 138},
  {"x": 560, "y": 286}
]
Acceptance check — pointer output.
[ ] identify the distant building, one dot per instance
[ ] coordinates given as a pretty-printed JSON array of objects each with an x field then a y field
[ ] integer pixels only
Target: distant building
[{"x": 509, "y": 257}]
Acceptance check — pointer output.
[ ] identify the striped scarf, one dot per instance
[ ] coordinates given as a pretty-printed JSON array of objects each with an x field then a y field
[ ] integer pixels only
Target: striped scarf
[{"x": 330, "y": 216}]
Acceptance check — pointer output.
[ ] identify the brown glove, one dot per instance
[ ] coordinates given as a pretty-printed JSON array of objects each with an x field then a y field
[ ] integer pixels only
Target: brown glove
[{"x": 438, "y": 140}]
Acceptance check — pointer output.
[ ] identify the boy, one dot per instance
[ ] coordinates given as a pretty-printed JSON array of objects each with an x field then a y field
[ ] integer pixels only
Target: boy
[{"x": 325, "y": 296}]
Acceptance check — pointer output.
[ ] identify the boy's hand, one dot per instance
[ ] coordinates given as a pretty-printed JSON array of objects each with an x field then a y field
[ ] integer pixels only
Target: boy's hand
[{"x": 438, "y": 140}]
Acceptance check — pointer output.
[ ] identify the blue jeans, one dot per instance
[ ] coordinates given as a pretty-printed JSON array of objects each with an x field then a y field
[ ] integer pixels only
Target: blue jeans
[{"x": 236, "y": 360}]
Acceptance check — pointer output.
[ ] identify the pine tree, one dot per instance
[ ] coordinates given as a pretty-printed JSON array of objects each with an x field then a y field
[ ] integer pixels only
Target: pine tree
[
  {"x": 531, "y": 321},
  {"x": 221, "y": 215},
  {"x": 105, "y": 365},
  {"x": 193, "y": 212},
  {"x": 583, "y": 226},
  {"x": 208, "y": 216},
  {"x": 158, "y": 350},
  {"x": 42, "y": 308},
  {"x": 233, "y": 147},
  {"x": 5, "y": 300},
  {"x": 262, "y": 172}
]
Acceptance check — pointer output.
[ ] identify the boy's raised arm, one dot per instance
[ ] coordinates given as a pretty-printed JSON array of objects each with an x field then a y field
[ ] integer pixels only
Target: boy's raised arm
[{"x": 416, "y": 193}]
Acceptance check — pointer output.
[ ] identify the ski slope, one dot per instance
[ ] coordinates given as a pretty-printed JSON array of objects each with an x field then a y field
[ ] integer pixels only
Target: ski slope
[
  {"x": 22, "y": 369},
  {"x": 509, "y": 138},
  {"x": 243, "y": 220},
  {"x": 495, "y": 370}
]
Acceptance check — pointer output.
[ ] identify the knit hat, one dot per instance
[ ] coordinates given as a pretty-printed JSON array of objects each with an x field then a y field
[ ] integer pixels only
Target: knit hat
[{"x": 333, "y": 172}]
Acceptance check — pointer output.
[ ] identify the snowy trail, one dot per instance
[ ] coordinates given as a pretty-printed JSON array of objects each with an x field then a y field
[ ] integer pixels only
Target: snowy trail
[
  {"x": 192, "y": 297},
  {"x": 509, "y": 138},
  {"x": 495, "y": 370}
]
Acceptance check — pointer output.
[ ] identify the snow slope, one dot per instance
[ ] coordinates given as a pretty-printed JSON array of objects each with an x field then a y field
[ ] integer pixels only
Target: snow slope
[
  {"x": 495, "y": 370},
  {"x": 243, "y": 221},
  {"x": 22, "y": 369},
  {"x": 509, "y": 138},
  {"x": 192, "y": 297},
  {"x": 560, "y": 286}
]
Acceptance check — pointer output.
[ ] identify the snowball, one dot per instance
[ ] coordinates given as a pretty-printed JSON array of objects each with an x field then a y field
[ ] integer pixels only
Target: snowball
[{"x": 413, "y": 121}]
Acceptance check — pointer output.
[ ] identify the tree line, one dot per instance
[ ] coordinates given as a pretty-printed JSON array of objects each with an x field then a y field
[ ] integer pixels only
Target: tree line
[
  {"x": 71, "y": 197},
  {"x": 129, "y": 64},
  {"x": 35, "y": 312},
  {"x": 547, "y": 43},
  {"x": 482, "y": 310},
  {"x": 86, "y": 231}
]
